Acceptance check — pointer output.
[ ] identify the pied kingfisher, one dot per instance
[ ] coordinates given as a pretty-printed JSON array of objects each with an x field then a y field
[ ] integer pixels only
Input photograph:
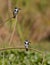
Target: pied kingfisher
[
  {"x": 26, "y": 44},
  {"x": 15, "y": 12}
]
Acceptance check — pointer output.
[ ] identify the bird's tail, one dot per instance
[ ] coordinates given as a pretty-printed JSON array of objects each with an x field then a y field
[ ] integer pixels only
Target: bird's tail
[
  {"x": 14, "y": 16},
  {"x": 26, "y": 49}
]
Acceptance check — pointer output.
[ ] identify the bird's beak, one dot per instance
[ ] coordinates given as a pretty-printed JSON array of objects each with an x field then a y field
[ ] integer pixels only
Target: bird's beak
[{"x": 19, "y": 8}]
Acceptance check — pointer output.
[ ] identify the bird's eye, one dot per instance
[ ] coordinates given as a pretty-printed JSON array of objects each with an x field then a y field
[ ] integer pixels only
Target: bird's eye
[
  {"x": 14, "y": 10},
  {"x": 25, "y": 43}
]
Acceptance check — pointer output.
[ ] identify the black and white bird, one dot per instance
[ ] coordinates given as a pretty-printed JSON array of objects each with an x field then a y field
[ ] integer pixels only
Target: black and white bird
[
  {"x": 15, "y": 12},
  {"x": 26, "y": 44}
]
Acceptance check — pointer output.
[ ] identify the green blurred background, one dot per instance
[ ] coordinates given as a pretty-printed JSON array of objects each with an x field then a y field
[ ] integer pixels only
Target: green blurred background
[{"x": 33, "y": 23}]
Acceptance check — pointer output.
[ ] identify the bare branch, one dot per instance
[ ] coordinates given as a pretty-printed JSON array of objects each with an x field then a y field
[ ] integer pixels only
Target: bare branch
[{"x": 2, "y": 49}]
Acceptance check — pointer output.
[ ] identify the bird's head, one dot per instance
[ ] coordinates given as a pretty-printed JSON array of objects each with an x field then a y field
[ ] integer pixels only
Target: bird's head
[{"x": 17, "y": 8}]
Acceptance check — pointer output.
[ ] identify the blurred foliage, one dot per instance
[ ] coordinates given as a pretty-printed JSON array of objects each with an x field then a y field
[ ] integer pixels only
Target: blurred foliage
[
  {"x": 14, "y": 57},
  {"x": 1, "y": 22},
  {"x": 43, "y": 5},
  {"x": 33, "y": 20}
]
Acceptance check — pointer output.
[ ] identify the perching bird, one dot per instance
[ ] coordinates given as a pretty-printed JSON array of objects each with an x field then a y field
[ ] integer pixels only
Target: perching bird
[
  {"x": 26, "y": 44},
  {"x": 15, "y": 12}
]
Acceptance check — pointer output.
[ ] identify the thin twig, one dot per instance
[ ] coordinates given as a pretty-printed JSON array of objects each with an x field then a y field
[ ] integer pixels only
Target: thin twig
[
  {"x": 7, "y": 20},
  {"x": 43, "y": 58},
  {"x": 20, "y": 32},
  {"x": 3, "y": 59},
  {"x": 11, "y": 38},
  {"x": 20, "y": 48}
]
